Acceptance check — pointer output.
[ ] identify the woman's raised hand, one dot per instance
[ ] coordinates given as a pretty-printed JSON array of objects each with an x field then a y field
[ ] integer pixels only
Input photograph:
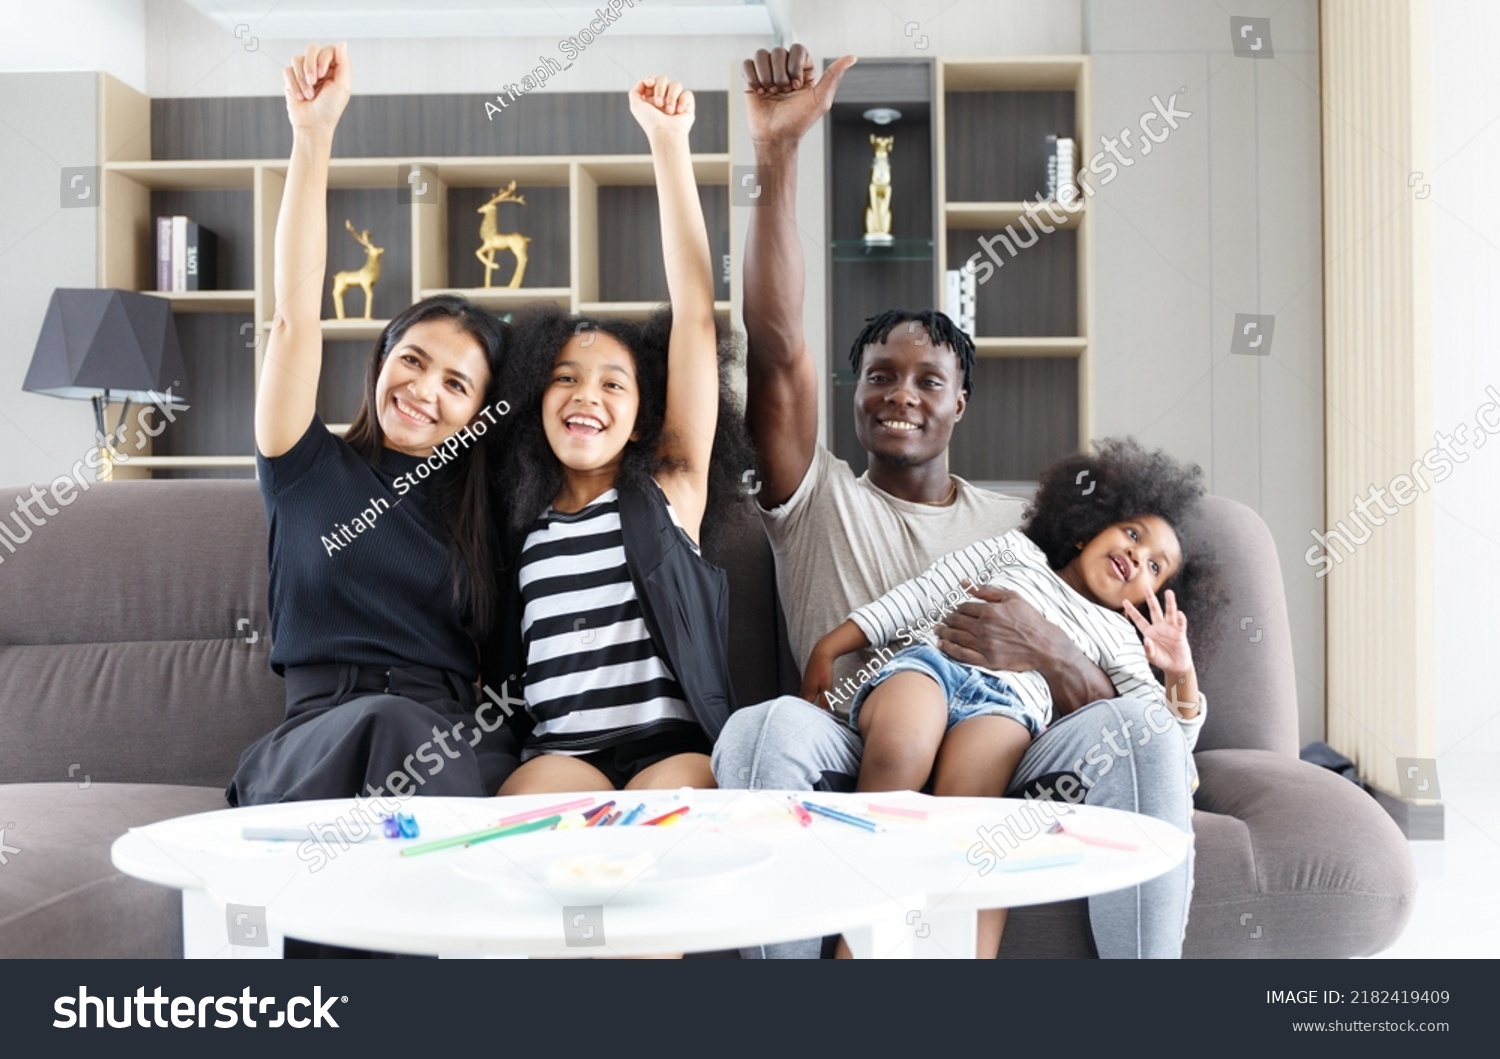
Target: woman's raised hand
[
  {"x": 317, "y": 87},
  {"x": 660, "y": 104}
]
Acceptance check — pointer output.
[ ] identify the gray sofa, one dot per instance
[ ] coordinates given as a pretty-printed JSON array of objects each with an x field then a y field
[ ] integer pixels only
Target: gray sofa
[{"x": 133, "y": 671}]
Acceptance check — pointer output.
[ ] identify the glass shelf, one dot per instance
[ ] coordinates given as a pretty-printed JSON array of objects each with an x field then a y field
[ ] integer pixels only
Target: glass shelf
[{"x": 895, "y": 250}]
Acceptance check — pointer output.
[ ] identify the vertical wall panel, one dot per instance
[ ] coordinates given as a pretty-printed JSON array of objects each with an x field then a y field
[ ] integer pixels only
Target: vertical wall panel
[{"x": 1377, "y": 381}]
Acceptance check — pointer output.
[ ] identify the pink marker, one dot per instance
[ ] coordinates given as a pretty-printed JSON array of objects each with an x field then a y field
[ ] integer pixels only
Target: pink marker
[
  {"x": 1095, "y": 840},
  {"x": 551, "y": 810},
  {"x": 897, "y": 810}
]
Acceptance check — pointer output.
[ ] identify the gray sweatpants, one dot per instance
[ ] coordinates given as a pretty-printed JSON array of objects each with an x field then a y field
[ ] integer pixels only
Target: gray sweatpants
[{"x": 1118, "y": 758}]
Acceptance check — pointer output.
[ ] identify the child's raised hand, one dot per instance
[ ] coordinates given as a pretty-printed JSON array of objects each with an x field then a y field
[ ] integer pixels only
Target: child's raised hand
[
  {"x": 660, "y": 104},
  {"x": 1165, "y": 635},
  {"x": 317, "y": 87}
]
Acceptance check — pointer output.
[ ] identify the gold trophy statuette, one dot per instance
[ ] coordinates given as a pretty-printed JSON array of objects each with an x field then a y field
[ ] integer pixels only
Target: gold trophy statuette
[
  {"x": 363, "y": 278},
  {"x": 492, "y": 242},
  {"x": 878, "y": 213}
]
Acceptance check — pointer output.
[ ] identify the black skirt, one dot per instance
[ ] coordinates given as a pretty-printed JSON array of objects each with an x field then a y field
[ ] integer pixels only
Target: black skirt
[{"x": 370, "y": 731}]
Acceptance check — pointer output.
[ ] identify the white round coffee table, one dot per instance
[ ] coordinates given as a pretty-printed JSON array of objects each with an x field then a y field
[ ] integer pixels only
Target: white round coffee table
[{"x": 738, "y": 870}]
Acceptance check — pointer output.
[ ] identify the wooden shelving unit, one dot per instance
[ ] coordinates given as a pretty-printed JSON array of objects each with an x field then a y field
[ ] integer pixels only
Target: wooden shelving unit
[
  {"x": 1016, "y": 92},
  {"x": 421, "y": 232}
]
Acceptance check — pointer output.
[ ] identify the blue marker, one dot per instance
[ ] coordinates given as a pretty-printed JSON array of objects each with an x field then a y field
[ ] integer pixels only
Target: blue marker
[
  {"x": 630, "y": 816},
  {"x": 408, "y": 825}
]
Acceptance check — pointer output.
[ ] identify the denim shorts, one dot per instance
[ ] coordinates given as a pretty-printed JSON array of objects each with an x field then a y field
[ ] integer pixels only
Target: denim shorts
[{"x": 970, "y": 692}]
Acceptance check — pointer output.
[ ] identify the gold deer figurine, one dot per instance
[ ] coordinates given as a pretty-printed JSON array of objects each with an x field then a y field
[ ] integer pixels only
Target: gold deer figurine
[
  {"x": 493, "y": 242},
  {"x": 364, "y": 278},
  {"x": 878, "y": 214}
]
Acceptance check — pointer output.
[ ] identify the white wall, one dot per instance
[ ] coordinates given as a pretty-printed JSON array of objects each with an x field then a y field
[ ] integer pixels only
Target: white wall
[
  {"x": 47, "y": 123},
  {"x": 87, "y": 35},
  {"x": 1222, "y": 217},
  {"x": 1465, "y": 283}
]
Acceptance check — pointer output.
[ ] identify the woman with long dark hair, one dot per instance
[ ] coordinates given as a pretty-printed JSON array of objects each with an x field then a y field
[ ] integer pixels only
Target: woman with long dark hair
[{"x": 382, "y": 544}]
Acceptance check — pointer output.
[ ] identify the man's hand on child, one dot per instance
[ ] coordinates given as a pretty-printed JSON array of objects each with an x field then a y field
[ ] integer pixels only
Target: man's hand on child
[
  {"x": 660, "y": 104},
  {"x": 317, "y": 85},
  {"x": 817, "y": 679}
]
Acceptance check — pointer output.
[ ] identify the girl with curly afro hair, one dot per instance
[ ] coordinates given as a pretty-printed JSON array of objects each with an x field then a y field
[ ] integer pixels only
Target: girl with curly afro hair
[
  {"x": 616, "y": 458},
  {"x": 1095, "y": 553}
]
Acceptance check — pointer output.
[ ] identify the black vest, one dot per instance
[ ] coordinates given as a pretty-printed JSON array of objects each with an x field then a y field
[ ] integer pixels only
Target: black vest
[{"x": 685, "y": 600}]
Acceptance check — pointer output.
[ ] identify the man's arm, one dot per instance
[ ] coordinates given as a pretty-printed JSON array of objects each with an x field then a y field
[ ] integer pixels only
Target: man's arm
[
  {"x": 1006, "y": 632},
  {"x": 784, "y": 98}
]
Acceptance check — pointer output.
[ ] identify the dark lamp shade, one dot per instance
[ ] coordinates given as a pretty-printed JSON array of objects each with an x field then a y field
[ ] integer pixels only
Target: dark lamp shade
[{"x": 96, "y": 340}]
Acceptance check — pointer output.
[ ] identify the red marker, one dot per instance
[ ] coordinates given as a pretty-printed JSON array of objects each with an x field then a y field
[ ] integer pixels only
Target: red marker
[
  {"x": 803, "y": 816},
  {"x": 666, "y": 818}
]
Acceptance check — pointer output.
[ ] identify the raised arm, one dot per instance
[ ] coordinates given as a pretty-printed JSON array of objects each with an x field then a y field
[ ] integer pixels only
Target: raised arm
[
  {"x": 317, "y": 89},
  {"x": 665, "y": 111},
  {"x": 784, "y": 98}
]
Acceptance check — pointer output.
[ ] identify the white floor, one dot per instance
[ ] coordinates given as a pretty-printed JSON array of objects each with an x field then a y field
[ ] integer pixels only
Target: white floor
[{"x": 1457, "y": 915}]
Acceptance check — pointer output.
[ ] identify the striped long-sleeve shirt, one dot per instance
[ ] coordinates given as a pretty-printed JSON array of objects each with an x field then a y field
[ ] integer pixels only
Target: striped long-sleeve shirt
[{"x": 907, "y": 613}]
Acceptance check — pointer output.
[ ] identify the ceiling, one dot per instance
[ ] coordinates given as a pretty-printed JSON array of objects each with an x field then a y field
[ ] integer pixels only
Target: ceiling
[{"x": 367, "y": 19}]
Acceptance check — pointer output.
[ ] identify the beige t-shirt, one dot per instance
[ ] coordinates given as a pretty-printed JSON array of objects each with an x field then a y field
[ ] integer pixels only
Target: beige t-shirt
[{"x": 841, "y": 542}]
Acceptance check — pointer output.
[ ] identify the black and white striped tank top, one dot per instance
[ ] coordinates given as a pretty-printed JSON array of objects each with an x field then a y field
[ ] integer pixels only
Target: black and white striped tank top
[{"x": 593, "y": 677}]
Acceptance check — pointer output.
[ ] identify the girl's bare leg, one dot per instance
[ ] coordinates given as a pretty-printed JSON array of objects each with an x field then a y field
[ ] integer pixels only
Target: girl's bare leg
[
  {"x": 549, "y": 773},
  {"x": 679, "y": 770},
  {"x": 978, "y": 757}
]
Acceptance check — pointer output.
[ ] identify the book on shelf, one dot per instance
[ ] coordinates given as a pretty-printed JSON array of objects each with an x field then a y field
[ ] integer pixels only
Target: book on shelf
[
  {"x": 186, "y": 255},
  {"x": 1061, "y": 168},
  {"x": 960, "y": 295}
]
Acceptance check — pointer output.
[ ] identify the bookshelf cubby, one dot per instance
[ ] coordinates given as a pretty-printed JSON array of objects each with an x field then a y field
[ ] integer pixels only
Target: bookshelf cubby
[{"x": 969, "y": 160}]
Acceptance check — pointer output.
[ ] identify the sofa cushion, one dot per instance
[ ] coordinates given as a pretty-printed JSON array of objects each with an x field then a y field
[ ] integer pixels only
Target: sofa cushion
[
  {"x": 62, "y": 897},
  {"x": 123, "y": 636},
  {"x": 1293, "y": 861},
  {"x": 1245, "y": 661}
]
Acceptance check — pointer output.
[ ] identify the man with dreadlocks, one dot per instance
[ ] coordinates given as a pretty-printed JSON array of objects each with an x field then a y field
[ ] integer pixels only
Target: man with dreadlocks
[{"x": 841, "y": 541}]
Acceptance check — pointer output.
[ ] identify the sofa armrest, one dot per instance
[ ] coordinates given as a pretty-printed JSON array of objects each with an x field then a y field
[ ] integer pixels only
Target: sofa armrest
[{"x": 1318, "y": 865}]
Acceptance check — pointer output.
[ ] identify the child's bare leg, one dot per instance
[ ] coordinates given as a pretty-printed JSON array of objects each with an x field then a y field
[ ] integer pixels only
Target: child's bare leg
[
  {"x": 902, "y": 723},
  {"x": 679, "y": 770},
  {"x": 547, "y": 773},
  {"x": 977, "y": 759}
]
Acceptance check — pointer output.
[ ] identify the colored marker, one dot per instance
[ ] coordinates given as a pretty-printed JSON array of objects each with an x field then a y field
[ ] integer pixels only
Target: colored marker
[
  {"x": 598, "y": 819},
  {"x": 598, "y": 809},
  {"x": 844, "y": 818},
  {"x": 803, "y": 816},
  {"x": 469, "y": 838},
  {"x": 630, "y": 816},
  {"x": 519, "y": 829},
  {"x": 666, "y": 818},
  {"x": 897, "y": 810},
  {"x": 1094, "y": 840},
  {"x": 534, "y": 814}
]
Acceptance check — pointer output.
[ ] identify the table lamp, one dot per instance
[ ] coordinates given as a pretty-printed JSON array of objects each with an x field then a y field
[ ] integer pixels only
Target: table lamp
[{"x": 107, "y": 345}]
